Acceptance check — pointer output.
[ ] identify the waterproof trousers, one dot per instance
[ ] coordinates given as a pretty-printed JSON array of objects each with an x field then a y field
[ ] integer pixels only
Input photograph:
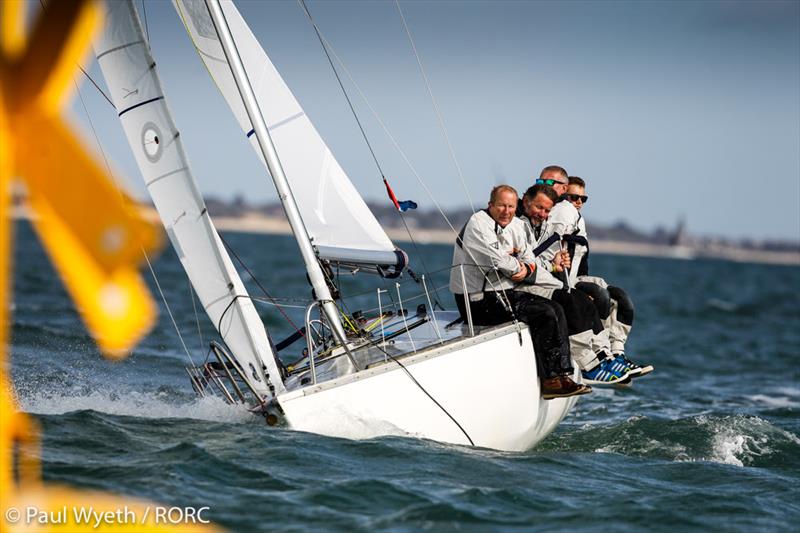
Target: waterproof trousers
[
  {"x": 545, "y": 319},
  {"x": 614, "y": 307},
  {"x": 589, "y": 338}
]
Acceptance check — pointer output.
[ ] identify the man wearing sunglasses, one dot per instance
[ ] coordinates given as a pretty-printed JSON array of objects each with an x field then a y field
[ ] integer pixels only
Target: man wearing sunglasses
[
  {"x": 562, "y": 223},
  {"x": 587, "y": 337},
  {"x": 555, "y": 177},
  {"x": 613, "y": 304}
]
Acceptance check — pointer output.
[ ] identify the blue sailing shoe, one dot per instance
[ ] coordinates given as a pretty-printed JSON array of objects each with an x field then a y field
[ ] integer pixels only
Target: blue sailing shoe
[
  {"x": 604, "y": 374},
  {"x": 634, "y": 370},
  {"x": 620, "y": 365}
]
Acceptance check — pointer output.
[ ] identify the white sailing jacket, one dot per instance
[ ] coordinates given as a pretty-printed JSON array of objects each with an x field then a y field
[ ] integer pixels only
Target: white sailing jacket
[
  {"x": 489, "y": 255},
  {"x": 546, "y": 282},
  {"x": 564, "y": 221}
]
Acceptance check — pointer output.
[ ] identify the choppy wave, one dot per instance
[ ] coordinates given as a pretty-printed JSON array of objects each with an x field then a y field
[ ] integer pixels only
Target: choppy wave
[
  {"x": 738, "y": 440},
  {"x": 783, "y": 401}
]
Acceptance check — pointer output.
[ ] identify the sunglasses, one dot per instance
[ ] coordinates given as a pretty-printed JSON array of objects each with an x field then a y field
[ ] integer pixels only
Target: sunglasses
[
  {"x": 540, "y": 181},
  {"x": 575, "y": 197}
]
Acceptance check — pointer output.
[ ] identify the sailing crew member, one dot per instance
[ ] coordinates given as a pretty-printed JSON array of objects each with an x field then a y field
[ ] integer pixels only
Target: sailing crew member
[
  {"x": 589, "y": 339},
  {"x": 613, "y": 304},
  {"x": 492, "y": 252}
]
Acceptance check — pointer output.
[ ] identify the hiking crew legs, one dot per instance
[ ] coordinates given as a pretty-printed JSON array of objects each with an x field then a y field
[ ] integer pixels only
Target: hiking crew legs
[
  {"x": 548, "y": 325},
  {"x": 587, "y": 336},
  {"x": 599, "y": 295},
  {"x": 545, "y": 320},
  {"x": 620, "y": 320}
]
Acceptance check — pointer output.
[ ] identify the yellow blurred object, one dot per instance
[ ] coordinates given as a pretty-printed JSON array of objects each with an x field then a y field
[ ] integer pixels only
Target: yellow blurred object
[
  {"x": 94, "y": 239},
  {"x": 94, "y": 236},
  {"x": 12, "y": 33}
]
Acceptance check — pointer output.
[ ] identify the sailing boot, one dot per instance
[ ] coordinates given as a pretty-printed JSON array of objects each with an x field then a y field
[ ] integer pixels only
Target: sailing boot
[{"x": 562, "y": 387}]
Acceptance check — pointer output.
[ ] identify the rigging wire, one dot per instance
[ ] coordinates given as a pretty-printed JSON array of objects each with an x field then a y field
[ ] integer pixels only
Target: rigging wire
[
  {"x": 275, "y": 304},
  {"x": 389, "y": 134},
  {"x": 323, "y": 42},
  {"x": 97, "y": 87},
  {"x": 377, "y": 164},
  {"x": 258, "y": 283},
  {"x": 346, "y": 96},
  {"x": 435, "y": 107}
]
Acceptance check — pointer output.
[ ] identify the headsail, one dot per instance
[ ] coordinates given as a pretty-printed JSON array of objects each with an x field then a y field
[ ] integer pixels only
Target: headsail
[
  {"x": 128, "y": 67},
  {"x": 336, "y": 218}
]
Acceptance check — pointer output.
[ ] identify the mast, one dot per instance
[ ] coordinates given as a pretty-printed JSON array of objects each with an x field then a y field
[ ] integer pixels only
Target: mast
[{"x": 267, "y": 147}]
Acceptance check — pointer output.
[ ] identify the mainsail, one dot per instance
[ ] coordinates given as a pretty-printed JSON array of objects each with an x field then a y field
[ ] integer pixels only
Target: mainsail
[
  {"x": 340, "y": 224},
  {"x": 130, "y": 72}
]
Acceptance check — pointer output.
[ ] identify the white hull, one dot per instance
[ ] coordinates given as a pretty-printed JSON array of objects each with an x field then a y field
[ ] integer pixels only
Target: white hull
[{"x": 488, "y": 383}]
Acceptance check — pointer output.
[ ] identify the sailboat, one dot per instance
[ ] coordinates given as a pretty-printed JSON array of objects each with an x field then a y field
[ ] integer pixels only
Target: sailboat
[{"x": 424, "y": 374}]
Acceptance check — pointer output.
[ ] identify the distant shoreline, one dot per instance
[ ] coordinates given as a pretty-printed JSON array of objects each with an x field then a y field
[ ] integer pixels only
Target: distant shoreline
[
  {"x": 255, "y": 223},
  {"x": 263, "y": 224}
]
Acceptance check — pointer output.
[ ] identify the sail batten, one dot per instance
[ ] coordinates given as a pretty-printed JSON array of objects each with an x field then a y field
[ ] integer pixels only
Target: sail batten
[
  {"x": 132, "y": 79},
  {"x": 333, "y": 212}
]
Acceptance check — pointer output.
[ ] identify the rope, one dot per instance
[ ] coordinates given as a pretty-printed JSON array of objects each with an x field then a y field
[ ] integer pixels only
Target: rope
[
  {"x": 428, "y": 394},
  {"x": 435, "y": 106}
]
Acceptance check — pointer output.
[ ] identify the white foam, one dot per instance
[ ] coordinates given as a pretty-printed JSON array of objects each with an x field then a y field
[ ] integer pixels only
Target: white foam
[
  {"x": 132, "y": 403},
  {"x": 738, "y": 440},
  {"x": 336, "y": 423},
  {"x": 728, "y": 448},
  {"x": 774, "y": 401},
  {"x": 722, "y": 305},
  {"x": 789, "y": 391},
  {"x": 650, "y": 446}
]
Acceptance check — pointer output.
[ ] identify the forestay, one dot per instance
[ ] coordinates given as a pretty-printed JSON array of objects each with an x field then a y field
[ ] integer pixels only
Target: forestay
[
  {"x": 338, "y": 221},
  {"x": 128, "y": 67}
]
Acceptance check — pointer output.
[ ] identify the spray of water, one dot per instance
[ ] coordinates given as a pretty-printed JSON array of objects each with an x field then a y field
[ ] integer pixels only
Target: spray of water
[{"x": 131, "y": 403}]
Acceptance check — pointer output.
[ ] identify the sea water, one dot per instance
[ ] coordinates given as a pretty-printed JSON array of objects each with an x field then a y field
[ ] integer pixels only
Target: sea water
[{"x": 709, "y": 441}]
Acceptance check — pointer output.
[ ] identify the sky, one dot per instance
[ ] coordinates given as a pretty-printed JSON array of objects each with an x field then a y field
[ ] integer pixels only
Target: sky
[{"x": 666, "y": 109}]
